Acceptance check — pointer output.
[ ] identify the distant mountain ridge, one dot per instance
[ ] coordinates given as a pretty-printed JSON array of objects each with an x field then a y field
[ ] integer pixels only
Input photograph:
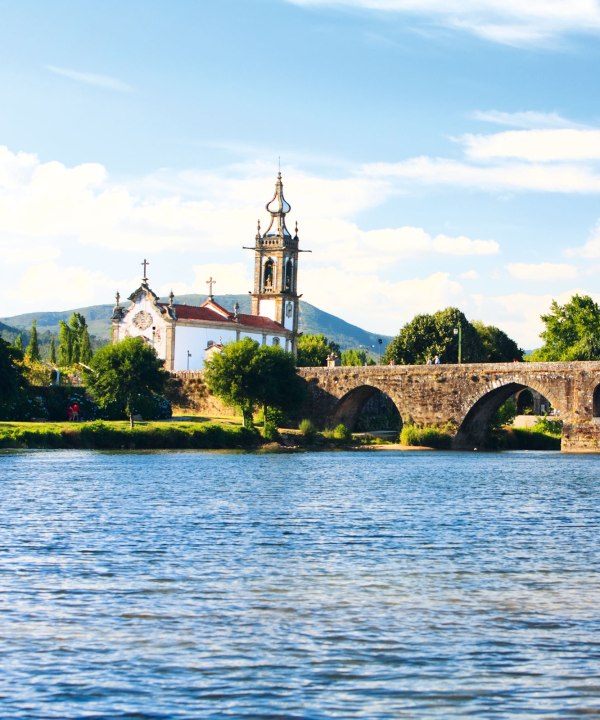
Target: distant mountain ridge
[{"x": 311, "y": 321}]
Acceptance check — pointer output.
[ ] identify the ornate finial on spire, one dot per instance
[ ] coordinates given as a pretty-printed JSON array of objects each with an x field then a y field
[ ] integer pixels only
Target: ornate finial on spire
[
  {"x": 145, "y": 264},
  {"x": 258, "y": 229},
  {"x": 210, "y": 282},
  {"x": 279, "y": 208},
  {"x": 296, "y": 229},
  {"x": 118, "y": 298},
  {"x": 171, "y": 298}
]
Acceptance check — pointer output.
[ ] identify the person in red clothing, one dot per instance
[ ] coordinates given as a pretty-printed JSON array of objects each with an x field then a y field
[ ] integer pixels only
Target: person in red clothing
[{"x": 75, "y": 412}]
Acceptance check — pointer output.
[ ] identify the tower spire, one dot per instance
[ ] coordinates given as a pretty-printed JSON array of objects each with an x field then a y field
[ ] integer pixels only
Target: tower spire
[{"x": 279, "y": 208}]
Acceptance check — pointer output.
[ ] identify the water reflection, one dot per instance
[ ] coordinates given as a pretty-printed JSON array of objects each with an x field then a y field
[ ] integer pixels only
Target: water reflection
[{"x": 333, "y": 585}]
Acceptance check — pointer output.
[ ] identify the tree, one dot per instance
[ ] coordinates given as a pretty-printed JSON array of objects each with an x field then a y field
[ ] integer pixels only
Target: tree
[
  {"x": 65, "y": 344},
  {"x": 33, "y": 348},
  {"x": 52, "y": 357},
  {"x": 572, "y": 331},
  {"x": 354, "y": 357},
  {"x": 314, "y": 349},
  {"x": 428, "y": 335},
  {"x": 497, "y": 346},
  {"x": 247, "y": 375},
  {"x": 277, "y": 383},
  {"x": 126, "y": 373},
  {"x": 13, "y": 385},
  {"x": 19, "y": 343}
]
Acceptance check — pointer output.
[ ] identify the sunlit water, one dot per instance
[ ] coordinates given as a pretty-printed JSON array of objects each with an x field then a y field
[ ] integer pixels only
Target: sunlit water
[{"x": 378, "y": 585}]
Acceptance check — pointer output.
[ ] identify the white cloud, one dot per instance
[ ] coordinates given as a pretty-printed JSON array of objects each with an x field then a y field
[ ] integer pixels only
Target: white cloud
[
  {"x": 564, "y": 178},
  {"x": 49, "y": 285},
  {"x": 527, "y": 119},
  {"x": 102, "y": 81},
  {"x": 535, "y": 145},
  {"x": 229, "y": 278},
  {"x": 379, "y": 305},
  {"x": 510, "y": 21},
  {"x": 542, "y": 272},
  {"x": 469, "y": 275},
  {"x": 591, "y": 249}
]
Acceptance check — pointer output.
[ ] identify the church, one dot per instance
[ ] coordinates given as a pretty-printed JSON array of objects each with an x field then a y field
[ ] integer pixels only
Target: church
[{"x": 184, "y": 336}]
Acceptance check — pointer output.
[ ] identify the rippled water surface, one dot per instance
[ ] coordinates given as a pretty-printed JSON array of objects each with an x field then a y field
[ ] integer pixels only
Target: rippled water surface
[{"x": 377, "y": 585}]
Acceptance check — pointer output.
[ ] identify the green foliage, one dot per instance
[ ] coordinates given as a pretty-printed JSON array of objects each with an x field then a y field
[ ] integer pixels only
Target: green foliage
[
  {"x": 314, "y": 349},
  {"x": 308, "y": 429},
  {"x": 354, "y": 358},
  {"x": 504, "y": 415},
  {"x": 426, "y": 336},
  {"x": 496, "y": 345},
  {"x": 19, "y": 344},
  {"x": 13, "y": 385},
  {"x": 572, "y": 331},
  {"x": 425, "y": 436},
  {"x": 548, "y": 426},
  {"x": 52, "y": 356},
  {"x": 126, "y": 374},
  {"x": 248, "y": 375},
  {"x": 340, "y": 432},
  {"x": 65, "y": 344},
  {"x": 100, "y": 435},
  {"x": 33, "y": 348}
]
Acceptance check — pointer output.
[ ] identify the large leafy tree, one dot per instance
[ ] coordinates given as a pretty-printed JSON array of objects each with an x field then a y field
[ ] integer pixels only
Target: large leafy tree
[
  {"x": 572, "y": 331},
  {"x": 13, "y": 385},
  {"x": 428, "y": 335},
  {"x": 126, "y": 374},
  {"x": 497, "y": 346},
  {"x": 247, "y": 375},
  {"x": 312, "y": 350}
]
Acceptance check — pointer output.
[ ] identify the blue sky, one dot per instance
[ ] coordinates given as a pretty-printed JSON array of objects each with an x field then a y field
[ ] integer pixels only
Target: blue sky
[{"x": 434, "y": 153}]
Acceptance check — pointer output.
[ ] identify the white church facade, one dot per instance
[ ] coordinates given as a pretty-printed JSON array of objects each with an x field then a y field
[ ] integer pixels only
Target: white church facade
[{"x": 184, "y": 336}]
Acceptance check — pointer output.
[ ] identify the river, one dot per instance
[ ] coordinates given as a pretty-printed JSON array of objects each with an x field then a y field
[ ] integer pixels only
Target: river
[{"x": 320, "y": 585}]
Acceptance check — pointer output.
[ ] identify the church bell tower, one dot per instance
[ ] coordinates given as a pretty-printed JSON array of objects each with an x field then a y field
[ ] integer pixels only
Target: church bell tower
[{"x": 276, "y": 268}]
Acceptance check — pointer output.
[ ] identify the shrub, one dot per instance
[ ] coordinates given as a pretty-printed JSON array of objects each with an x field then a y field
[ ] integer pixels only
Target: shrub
[
  {"x": 308, "y": 429},
  {"x": 425, "y": 436}
]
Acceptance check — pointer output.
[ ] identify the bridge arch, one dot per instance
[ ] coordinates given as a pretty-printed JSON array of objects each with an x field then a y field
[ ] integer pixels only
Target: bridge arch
[
  {"x": 596, "y": 402},
  {"x": 350, "y": 407},
  {"x": 481, "y": 408}
]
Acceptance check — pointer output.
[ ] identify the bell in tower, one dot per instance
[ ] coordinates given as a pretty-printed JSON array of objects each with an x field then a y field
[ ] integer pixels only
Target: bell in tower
[{"x": 276, "y": 267}]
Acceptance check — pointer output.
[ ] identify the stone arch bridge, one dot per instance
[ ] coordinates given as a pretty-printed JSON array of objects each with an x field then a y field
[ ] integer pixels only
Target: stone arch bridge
[{"x": 464, "y": 396}]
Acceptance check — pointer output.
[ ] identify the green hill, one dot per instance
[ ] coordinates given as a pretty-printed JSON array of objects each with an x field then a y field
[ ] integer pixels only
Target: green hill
[{"x": 312, "y": 320}]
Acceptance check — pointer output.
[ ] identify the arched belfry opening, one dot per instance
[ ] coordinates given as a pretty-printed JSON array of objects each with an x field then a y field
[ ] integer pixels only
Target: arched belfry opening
[
  {"x": 366, "y": 409},
  {"x": 268, "y": 272}
]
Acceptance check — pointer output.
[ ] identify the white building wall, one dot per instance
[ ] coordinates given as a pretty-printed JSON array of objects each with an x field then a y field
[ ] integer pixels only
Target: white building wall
[
  {"x": 155, "y": 332},
  {"x": 196, "y": 341}
]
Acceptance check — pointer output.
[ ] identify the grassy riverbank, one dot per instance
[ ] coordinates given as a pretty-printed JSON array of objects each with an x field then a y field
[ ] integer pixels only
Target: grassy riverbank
[{"x": 100, "y": 435}]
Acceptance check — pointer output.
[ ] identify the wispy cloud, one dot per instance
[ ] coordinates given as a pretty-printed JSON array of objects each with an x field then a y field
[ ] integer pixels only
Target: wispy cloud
[
  {"x": 103, "y": 81},
  {"x": 512, "y": 22},
  {"x": 527, "y": 119}
]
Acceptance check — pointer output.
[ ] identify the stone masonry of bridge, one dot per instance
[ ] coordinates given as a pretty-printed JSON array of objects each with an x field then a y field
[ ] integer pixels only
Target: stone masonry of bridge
[{"x": 464, "y": 396}]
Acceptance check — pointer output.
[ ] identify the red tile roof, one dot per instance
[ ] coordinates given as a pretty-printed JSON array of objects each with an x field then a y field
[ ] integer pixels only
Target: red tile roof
[{"x": 207, "y": 315}]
